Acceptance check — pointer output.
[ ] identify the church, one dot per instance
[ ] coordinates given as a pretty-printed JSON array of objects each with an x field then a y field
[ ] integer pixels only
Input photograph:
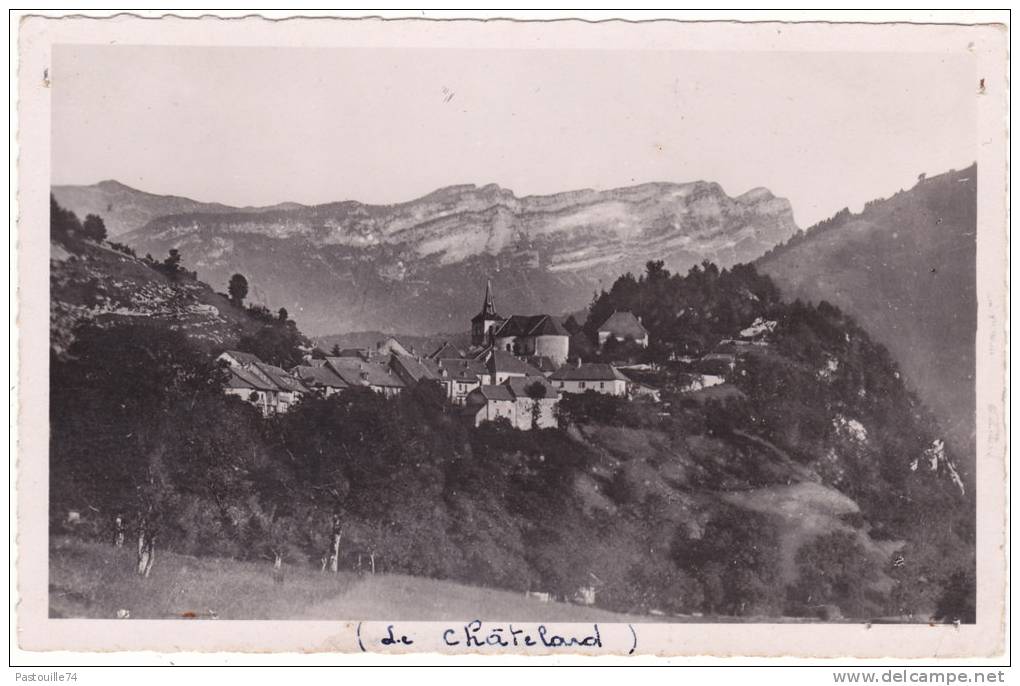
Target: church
[{"x": 534, "y": 335}]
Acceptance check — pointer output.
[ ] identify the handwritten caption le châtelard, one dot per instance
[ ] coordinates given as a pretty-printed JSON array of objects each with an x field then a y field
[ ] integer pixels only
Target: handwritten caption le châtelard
[{"x": 477, "y": 635}]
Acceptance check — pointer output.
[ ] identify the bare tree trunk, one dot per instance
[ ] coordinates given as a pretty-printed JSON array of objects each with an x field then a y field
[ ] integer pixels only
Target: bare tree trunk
[
  {"x": 146, "y": 548},
  {"x": 371, "y": 557},
  {"x": 334, "y": 548},
  {"x": 146, "y": 554},
  {"x": 118, "y": 532},
  {"x": 334, "y": 554},
  {"x": 278, "y": 568}
]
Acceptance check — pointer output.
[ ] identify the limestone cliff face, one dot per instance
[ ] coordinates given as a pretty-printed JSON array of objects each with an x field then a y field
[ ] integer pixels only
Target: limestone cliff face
[{"x": 416, "y": 266}]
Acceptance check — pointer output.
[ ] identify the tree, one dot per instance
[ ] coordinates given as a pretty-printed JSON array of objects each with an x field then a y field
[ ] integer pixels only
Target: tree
[
  {"x": 238, "y": 289},
  {"x": 124, "y": 412},
  {"x": 835, "y": 569},
  {"x": 172, "y": 264},
  {"x": 335, "y": 350},
  {"x": 736, "y": 560},
  {"x": 94, "y": 228},
  {"x": 63, "y": 223},
  {"x": 278, "y": 343},
  {"x": 282, "y": 314},
  {"x": 535, "y": 391}
]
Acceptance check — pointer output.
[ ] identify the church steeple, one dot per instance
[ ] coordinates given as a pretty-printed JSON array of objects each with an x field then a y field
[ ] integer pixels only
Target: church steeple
[
  {"x": 484, "y": 322},
  {"x": 488, "y": 307}
]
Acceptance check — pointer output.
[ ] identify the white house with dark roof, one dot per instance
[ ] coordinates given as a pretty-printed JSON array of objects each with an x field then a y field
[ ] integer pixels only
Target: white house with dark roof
[
  {"x": 252, "y": 388},
  {"x": 271, "y": 389},
  {"x": 502, "y": 365},
  {"x": 515, "y": 401},
  {"x": 599, "y": 377},
  {"x": 623, "y": 326},
  {"x": 290, "y": 388}
]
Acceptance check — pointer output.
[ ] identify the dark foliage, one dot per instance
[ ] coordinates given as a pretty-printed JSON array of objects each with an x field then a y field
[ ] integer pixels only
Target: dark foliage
[
  {"x": 956, "y": 604},
  {"x": 278, "y": 342},
  {"x": 171, "y": 266},
  {"x": 64, "y": 224},
  {"x": 835, "y": 569},
  {"x": 238, "y": 289},
  {"x": 684, "y": 314},
  {"x": 736, "y": 560},
  {"x": 94, "y": 228},
  {"x": 126, "y": 249}
]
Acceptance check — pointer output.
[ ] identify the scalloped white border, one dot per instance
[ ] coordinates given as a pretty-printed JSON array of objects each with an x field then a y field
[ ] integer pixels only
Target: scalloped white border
[{"x": 986, "y": 43}]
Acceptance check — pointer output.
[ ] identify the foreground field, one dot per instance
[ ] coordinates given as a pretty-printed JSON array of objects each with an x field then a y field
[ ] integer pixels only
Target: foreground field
[{"x": 97, "y": 581}]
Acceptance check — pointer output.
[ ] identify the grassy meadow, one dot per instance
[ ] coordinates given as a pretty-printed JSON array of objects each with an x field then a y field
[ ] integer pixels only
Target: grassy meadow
[{"x": 92, "y": 580}]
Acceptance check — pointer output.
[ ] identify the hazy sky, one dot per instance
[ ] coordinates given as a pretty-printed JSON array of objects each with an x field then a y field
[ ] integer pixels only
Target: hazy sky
[{"x": 257, "y": 126}]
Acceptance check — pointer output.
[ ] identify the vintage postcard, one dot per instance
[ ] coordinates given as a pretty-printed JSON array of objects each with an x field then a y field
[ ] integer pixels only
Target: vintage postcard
[{"x": 614, "y": 338}]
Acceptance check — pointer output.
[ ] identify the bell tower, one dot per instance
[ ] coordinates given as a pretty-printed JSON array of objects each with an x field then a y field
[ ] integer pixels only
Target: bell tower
[{"x": 485, "y": 321}]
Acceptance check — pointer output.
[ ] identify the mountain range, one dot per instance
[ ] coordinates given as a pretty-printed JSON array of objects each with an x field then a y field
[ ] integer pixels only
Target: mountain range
[
  {"x": 419, "y": 267},
  {"x": 903, "y": 266}
]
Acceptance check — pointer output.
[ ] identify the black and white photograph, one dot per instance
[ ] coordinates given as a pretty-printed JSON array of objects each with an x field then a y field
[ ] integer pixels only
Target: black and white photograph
[{"x": 542, "y": 344}]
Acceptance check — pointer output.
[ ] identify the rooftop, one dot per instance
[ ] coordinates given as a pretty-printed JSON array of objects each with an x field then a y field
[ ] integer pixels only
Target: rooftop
[
  {"x": 502, "y": 361},
  {"x": 243, "y": 358},
  {"x": 461, "y": 369},
  {"x": 357, "y": 372},
  {"x": 595, "y": 371},
  {"x": 244, "y": 378},
  {"x": 531, "y": 325},
  {"x": 623, "y": 325},
  {"x": 281, "y": 378},
  {"x": 320, "y": 375},
  {"x": 416, "y": 368}
]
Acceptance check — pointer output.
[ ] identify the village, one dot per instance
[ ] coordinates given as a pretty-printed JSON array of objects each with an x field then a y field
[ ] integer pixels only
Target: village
[{"x": 517, "y": 368}]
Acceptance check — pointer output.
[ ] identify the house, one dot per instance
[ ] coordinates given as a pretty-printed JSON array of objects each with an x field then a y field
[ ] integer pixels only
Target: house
[
  {"x": 623, "y": 326},
  {"x": 524, "y": 335},
  {"x": 359, "y": 373},
  {"x": 446, "y": 350},
  {"x": 391, "y": 346},
  {"x": 526, "y": 397},
  {"x": 599, "y": 377},
  {"x": 516, "y": 401},
  {"x": 460, "y": 376},
  {"x": 542, "y": 363},
  {"x": 320, "y": 378},
  {"x": 290, "y": 388},
  {"x": 252, "y": 388},
  {"x": 501, "y": 365},
  {"x": 411, "y": 370},
  {"x": 269, "y": 388}
]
